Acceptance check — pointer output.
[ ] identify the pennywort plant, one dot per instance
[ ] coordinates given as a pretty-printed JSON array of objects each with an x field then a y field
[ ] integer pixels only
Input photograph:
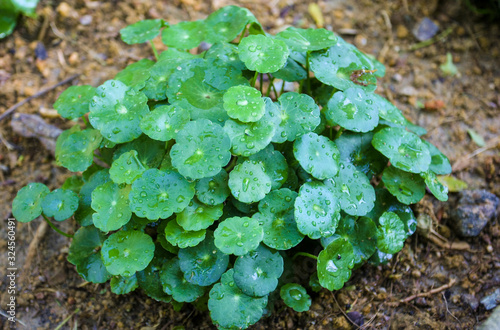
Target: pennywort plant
[{"x": 201, "y": 176}]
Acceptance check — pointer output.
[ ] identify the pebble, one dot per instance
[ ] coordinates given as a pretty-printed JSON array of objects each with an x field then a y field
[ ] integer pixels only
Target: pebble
[
  {"x": 491, "y": 300},
  {"x": 401, "y": 31},
  {"x": 86, "y": 20},
  {"x": 65, "y": 10},
  {"x": 40, "y": 51},
  {"x": 425, "y": 29},
  {"x": 473, "y": 211},
  {"x": 357, "y": 318},
  {"x": 74, "y": 59},
  {"x": 492, "y": 322},
  {"x": 471, "y": 301}
]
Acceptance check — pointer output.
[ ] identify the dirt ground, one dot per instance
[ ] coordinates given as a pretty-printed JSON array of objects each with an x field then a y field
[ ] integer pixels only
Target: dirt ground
[{"x": 82, "y": 37}]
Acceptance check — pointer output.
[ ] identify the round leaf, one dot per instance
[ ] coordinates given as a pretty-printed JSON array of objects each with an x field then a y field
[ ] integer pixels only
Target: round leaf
[
  {"x": 136, "y": 74},
  {"x": 389, "y": 111},
  {"x": 238, "y": 235},
  {"x": 249, "y": 138},
  {"x": 74, "y": 101},
  {"x": 141, "y": 31},
  {"x": 159, "y": 194},
  {"x": 274, "y": 163},
  {"x": 244, "y": 103},
  {"x": 149, "y": 278},
  {"x": 317, "y": 210},
  {"x": 391, "y": 234},
  {"x": 317, "y": 154},
  {"x": 249, "y": 182},
  {"x": 409, "y": 188},
  {"x": 439, "y": 162},
  {"x": 226, "y": 24},
  {"x": 201, "y": 149},
  {"x": 296, "y": 297},
  {"x": 163, "y": 123},
  {"x": 306, "y": 40},
  {"x": 439, "y": 190},
  {"x": 84, "y": 213},
  {"x": 335, "y": 263},
  {"x": 174, "y": 283},
  {"x": 75, "y": 148},
  {"x": 197, "y": 216},
  {"x": 184, "y": 35},
  {"x": 27, "y": 205},
  {"x": 127, "y": 168},
  {"x": 178, "y": 236},
  {"x": 126, "y": 252},
  {"x": 213, "y": 190},
  {"x": 60, "y": 204},
  {"x": 111, "y": 204},
  {"x": 263, "y": 54},
  {"x": 405, "y": 150},
  {"x": 123, "y": 285},
  {"x": 230, "y": 307}
]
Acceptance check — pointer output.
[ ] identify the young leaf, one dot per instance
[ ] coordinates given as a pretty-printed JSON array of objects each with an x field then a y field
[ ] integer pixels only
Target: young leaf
[
  {"x": 178, "y": 236},
  {"x": 203, "y": 264},
  {"x": 149, "y": 152},
  {"x": 296, "y": 297},
  {"x": 230, "y": 307},
  {"x": 156, "y": 85},
  {"x": 201, "y": 149},
  {"x": 149, "y": 278},
  {"x": 123, "y": 285},
  {"x": 249, "y": 138},
  {"x": 184, "y": 35},
  {"x": 75, "y": 148},
  {"x": 391, "y": 233},
  {"x": 141, "y": 31},
  {"x": 126, "y": 252},
  {"x": 388, "y": 111},
  {"x": 244, "y": 103},
  {"x": 226, "y": 24},
  {"x": 74, "y": 102},
  {"x": 159, "y": 194},
  {"x": 238, "y": 235},
  {"x": 478, "y": 139},
  {"x": 213, "y": 190},
  {"x": 257, "y": 272},
  {"x": 27, "y": 205},
  {"x": 405, "y": 150},
  {"x": 84, "y": 213},
  {"x": 439, "y": 190},
  {"x": 274, "y": 163},
  {"x": 136, "y": 74},
  {"x": 117, "y": 111},
  {"x": 335, "y": 263},
  {"x": 60, "y": 204},
  {"x": 439, "y": 162},
  {"x": 249, "y": 182},
  {"x": 163, "y": 123},
  {"x": 227, "y": 53},
  {"x": 317, "y": 154},
  {"x": 174, "y": 283},
  {"x": 409, "y": 188},
  {"x": 127, "y": 168},
  {"x": 111, "y": 205},
  {"x": 197, "y": 216},
  {"x": 306, "y": 40},
  {"x": 317, "y": 210},
  {"x": 263, "y": 54}
]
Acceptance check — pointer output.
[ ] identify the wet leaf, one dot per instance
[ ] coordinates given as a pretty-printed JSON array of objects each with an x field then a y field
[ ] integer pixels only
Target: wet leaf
[
  {"x": 27, "y": 204},
  {"x": 295, "y": 296}
]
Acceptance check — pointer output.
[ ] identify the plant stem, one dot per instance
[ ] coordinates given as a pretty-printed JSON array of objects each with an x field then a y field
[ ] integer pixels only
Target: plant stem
[
  {"x": 100, "y": 158},
  {"x": 261, "y": 82},
  {"x": 282, "y": 89},
  {"x": 55, "y": 228},
  {"x": 254, "y": 79},
  {"x": 339, "y": 133},
  {"x": 242, "y": 35},
  {"x": 231, "y": 165},
  {"x": 153, "y": 47},
  {"x": 275, "y": 91},
  {"x": 86, "y": 121},
  {"x": 304, "y": 254},
  {"x": 308, "y": 81}
]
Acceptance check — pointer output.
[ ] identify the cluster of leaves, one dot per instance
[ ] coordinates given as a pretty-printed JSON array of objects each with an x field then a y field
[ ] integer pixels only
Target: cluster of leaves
[
  {"x": 10, "y": 11},
  {"x": 204, "y": 181}
]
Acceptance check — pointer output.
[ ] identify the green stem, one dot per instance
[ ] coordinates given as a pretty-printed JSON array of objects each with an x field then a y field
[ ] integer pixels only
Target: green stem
[
  {"x": 304, "y": 254},
  {"x": 261, "y": 82},
  {"x": 308, "y": 81},
  {"x": 282, "y": 89},
  {"x": 55, "y": 228},
  {"x": 155, "y": 52},
  {"x": 431, "y": 41},
  {"x": 100, "y": 158},
  {"x": 254, "y": 79},
  {"x": 231, "y": 165},
  {"x": 275, "y": 91},
  {"x": 242, "y": 35},
  {"x": 86, "y": 121},
  {"x": 339, "y": 133}
]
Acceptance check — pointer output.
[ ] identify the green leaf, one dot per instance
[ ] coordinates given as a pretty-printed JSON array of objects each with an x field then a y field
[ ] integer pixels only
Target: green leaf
[
  {"x": 449, "y": 69},
  {"x": 60, "y": 204},
  {"x": 478, "y": 139},
  {"x": 197, "y": 216},
  {"x": 405, "y": 150},
  {"x": 295, "y": 296},
  {"x": 136, "y": 74},
  {"x": 127, "y": 168},
  {"x": 257, "y": 272},
  {"x": 74, "y": 101},
  {"x": 388, "y": 111},
  {"x": 75, "y": 148},
  {"x": 184, "y": 35},
  {"x": 244, "y": 103},
  {"x": 391, "y": 234},
  {"x": 409, "y": 188},
  {"x": 156, "y": 85},
  {"x": 276, "y": 216},
  {"x": 353, "y": 109},
  {"x": 274, "y": 163},
  {"x": 299, "y": 115},
  {"x": 306, "y": 40},
  {"x": 149, "y": 278},
  {"x": 292, "y": 71},
  {"x": 439, "y": 190},
  {"x": 357, "y": 149},
  {"x": 73, "y": 183},
  {"x": 226, "y": 24},
  {"x": 203, "y": 264},
  {"x": 213, "y": 190},
  {"x": 317, "y": 154},
  {"x": 353, "y": 190},
  {"x": 249, "y": 182},
  {"x": 85, "y": 254},
  {"x": 8, "y": 21},
  {"x": 201, "y": 149},
  {"x": 335, "y": 263},
  {"x": 111, "y": 204},
  {"x": 453, "y": 184},
  {"x": 317, "y": 210},
  {"x": 117, "y": 111},
  {"x": 149, "y": 152},
  {"x": 123, "y": 285},
  {"x": 249, "y": 138},
  {"x": 263, "y": 54},
  {"x": 439, "y": 162},
  {"x": 163, "y": 123},
  {"x": 27, "y": 205},
  {"x": 227, "y": 53},
  {"x": 230, "y": 307},
  {"x": 159, "y": 194},
  {"x": 84, "y": 213},
  {"x": 141, "y": 31},
  {"x": 238, "y": 235},
  {"x": 126, "y": 252},
  {"x": 178, "y": 236},
  {"x": 174, "y": 283}
]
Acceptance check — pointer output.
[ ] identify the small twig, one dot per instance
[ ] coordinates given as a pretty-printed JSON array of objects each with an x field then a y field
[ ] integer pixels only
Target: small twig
[
  {"x": 32, "y": 248},
  {"x": 446, "y": 303},
  {"x": 40, "y": 93},
  {"x": 67, "y": 319},
  {"x": 429, "y": 293},
  {"x": 347, "y": 317},
  {"x": 2, "y": 313},
  {"x": 431, "y": 41},
  {"x": 304, "y": 254}
]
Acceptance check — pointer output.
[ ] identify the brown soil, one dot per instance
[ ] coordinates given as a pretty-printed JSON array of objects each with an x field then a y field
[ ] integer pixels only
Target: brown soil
[{"x": 54, "y": 292}]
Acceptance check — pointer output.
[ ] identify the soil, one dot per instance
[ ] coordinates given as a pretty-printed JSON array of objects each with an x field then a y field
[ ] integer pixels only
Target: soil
[{"x": 82, "y": 37}]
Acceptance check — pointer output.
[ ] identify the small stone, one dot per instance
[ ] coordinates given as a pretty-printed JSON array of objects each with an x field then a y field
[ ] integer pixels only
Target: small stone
[
  {"x": 416, "y": 273},
  {"x": 425, "y": 29},
  {"x": 473, "y": 211},
  {"x": 492, "y": 322},
  {"x": 471, "y": 301},
  {"x": 40, "y": 51},
  {"x": 65, "y": 10},
  {"x": 492, "y": 300},
  {"x": 341, "y": 323},
  {"x": 489, "y": 248},
  {"x": 85, "y": 20},
  {"x": 74, "y": 59},
  {"x": 357, "y": 318},
  {"x": 397, "y": 77},
  {"x": 401, "y": 31}
]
